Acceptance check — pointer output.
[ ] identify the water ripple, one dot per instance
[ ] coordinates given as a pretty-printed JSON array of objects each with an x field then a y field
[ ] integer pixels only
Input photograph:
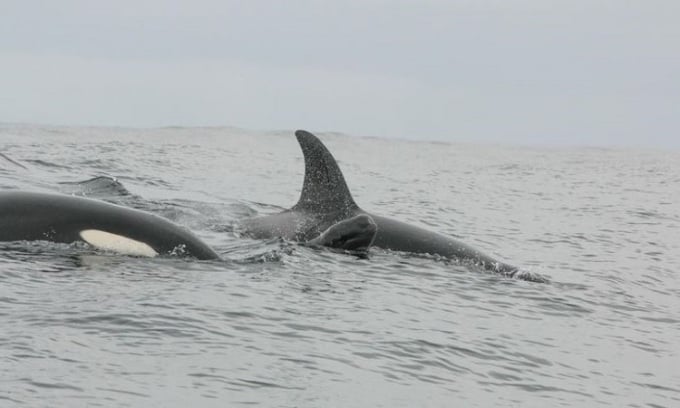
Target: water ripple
[{"x": 278, "y": 324}]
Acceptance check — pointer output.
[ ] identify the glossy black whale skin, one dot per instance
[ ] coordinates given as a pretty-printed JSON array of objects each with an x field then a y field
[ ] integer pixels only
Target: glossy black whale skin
[{"x": 29, "y": 216}]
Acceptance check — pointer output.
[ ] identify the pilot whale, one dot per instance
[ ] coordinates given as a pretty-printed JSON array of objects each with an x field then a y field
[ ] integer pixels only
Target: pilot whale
[
  {"x": 29, "y": 216},
  {"x": 326, "y": 200}
]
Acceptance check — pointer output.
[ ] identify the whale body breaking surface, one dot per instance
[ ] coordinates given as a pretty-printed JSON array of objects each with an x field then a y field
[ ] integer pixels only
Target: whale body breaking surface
[
  {"x": 325, "y": 215},
  {"x": 325, "y": 200}
]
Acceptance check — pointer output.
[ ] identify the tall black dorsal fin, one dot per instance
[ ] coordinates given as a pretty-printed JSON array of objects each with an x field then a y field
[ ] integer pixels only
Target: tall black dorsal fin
[{"x": 324, "y": 188}]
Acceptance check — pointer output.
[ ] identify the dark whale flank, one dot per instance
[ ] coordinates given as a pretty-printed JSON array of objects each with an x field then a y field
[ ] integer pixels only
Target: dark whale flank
[
  {"x": 326, "y": 200},
  {"x": 28, "y": 216}
]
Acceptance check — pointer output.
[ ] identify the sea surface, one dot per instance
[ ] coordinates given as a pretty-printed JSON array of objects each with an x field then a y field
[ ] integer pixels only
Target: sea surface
[{"x": 276, "y": 324}]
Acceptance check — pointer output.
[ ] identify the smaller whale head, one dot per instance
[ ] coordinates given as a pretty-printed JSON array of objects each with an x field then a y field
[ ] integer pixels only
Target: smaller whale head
[{"x": 353, "y": 234}]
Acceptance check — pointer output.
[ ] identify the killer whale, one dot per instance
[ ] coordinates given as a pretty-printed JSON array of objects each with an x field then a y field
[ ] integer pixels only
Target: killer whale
[
  {"x": 326, "y": 200},
  {"x": 31, "y": 216}
]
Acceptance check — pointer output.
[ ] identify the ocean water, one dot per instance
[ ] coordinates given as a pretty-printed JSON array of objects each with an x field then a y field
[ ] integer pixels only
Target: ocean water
[{"x": 282, "y": 325}]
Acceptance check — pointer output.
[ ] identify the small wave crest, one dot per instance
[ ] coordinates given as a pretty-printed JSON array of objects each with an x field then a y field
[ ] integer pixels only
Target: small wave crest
[{"x": 101, "y": 186}]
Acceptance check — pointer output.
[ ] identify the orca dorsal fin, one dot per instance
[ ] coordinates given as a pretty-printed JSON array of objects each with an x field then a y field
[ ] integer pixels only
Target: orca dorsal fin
[{"x": 324, "y": 189}]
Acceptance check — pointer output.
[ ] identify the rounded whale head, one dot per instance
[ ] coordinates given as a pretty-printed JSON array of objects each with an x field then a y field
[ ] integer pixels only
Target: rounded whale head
[{"x": 353, "y": 234}]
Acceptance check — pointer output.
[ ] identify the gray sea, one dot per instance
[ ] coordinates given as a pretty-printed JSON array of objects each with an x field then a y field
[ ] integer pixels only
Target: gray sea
[{"x": 276, "y": 324}]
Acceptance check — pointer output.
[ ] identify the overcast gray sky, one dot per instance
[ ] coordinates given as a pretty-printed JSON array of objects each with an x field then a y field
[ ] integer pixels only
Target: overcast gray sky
[{"x": 527, "y": 71}]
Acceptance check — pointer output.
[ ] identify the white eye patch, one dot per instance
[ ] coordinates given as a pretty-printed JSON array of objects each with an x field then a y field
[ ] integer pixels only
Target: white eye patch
[{"x": 116, "y": 243}]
